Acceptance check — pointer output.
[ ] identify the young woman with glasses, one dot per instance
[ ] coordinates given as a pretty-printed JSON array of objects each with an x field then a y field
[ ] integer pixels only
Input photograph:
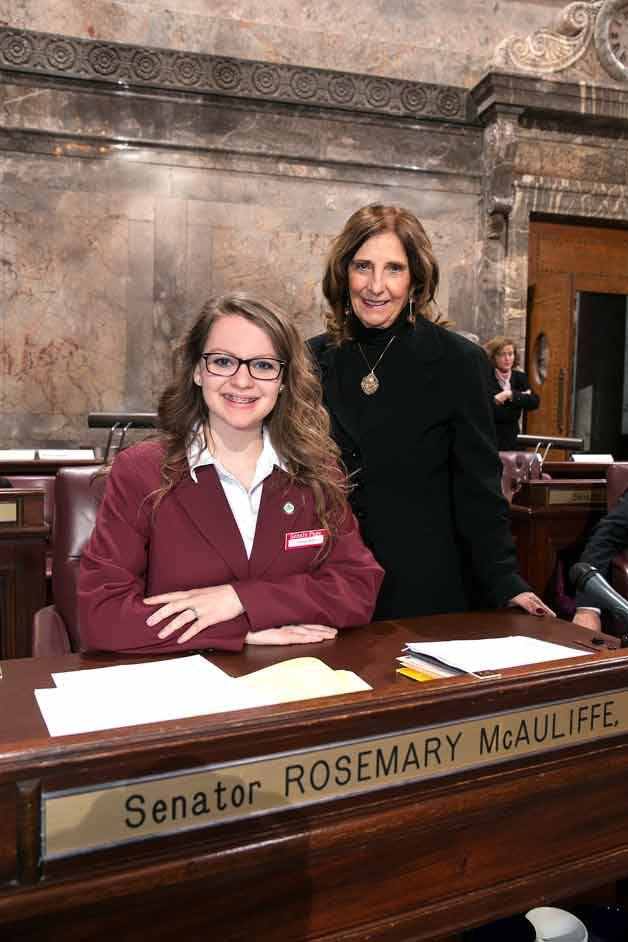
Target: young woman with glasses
[{"x": 232, "y": 526}]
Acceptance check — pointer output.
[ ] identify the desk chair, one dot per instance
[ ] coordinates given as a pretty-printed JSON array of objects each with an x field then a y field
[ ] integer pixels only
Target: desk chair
[
  {"x": 616, "y": 487},
  {"x": 77, "y": 496},
  {"x": 517, "y": 468}
]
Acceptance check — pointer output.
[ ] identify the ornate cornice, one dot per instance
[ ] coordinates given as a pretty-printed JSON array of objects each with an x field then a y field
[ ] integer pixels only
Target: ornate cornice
[
  {"x": 549, "y": 51},
  {"x": 126, "y": 66}
]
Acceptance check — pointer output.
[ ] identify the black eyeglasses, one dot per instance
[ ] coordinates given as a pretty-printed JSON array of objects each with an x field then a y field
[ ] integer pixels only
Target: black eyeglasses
[{"x": 225, "y": 364}]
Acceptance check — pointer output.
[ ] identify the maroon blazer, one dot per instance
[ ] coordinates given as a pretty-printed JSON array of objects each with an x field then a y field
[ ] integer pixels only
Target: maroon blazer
[{"x": 192, "y": 540}]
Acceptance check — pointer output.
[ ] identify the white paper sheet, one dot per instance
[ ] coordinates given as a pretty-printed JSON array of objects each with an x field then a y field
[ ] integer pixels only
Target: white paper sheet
[
  {"x": 152, "y": 692},
  {"x": 177, "y": 672},
  {"x": 16, "y": 454},
  {"x": 67, "y": 712},
  {"x": 592, "y": 459},
  {"x": 493, "y": 654},
  {"x": 64, "y": 454}
]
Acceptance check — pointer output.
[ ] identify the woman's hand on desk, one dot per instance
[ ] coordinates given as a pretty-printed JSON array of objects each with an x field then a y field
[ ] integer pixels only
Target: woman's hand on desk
[
  {"x": 194, "y": 610},
  {"x": 531, "y": 603},
  {"x": 291, "y": 634}
]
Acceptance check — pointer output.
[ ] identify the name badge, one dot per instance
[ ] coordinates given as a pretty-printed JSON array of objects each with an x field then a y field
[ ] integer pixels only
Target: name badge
[{"x": 305, "y": 538}]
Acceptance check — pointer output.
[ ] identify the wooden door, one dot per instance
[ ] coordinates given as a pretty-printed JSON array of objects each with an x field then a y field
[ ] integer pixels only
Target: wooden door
[{"x": 549, "y": 364}]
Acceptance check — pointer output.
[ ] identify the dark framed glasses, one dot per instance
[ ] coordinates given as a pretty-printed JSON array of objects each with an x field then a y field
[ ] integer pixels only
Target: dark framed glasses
[{"x": 225, "y": 364}]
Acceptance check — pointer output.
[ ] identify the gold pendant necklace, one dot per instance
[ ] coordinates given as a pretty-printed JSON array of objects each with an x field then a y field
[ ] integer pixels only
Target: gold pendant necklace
[{"x": 369, "y": 384}]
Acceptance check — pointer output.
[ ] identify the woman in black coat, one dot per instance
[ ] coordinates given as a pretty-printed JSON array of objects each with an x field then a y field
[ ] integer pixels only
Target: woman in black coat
[
  {"x": 410, "y": 411},
  {"x": 510, "y": 391}
]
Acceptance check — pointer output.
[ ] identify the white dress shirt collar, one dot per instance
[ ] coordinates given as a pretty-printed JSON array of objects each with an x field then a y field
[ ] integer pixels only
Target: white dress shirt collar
[{"x": 199, "y": 456}]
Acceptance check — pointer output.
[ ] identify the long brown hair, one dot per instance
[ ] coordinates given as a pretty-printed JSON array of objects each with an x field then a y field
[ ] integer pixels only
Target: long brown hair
[
  {"x": 365, "y": 223},
  {"x": 298, "y": 424}
]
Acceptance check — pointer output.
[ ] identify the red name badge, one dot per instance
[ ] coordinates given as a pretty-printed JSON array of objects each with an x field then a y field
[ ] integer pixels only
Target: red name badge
[{"x": 305, "y": 538}]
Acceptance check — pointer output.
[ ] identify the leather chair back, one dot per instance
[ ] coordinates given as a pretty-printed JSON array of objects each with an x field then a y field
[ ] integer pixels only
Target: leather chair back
[
  {"x": 517, "y": 468},
  {"x": 616, "y": 482},
  {"x": 78, "y": 493}
]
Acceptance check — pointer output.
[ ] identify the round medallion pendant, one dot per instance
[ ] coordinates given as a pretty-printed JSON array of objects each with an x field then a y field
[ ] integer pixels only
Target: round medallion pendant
[{"x": 369, "y": 384}]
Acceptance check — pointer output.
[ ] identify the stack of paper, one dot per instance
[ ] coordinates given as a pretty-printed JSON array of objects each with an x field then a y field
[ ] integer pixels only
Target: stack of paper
[
  {"x": 129, "y": 694},
  {"x": 479, "y": 655}
]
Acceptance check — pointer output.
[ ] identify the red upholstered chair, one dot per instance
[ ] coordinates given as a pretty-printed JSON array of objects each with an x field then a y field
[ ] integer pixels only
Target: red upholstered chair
[
  {"x": 517, "y": 468},
  {"x": 77, "y": 496},
  {"x": 616, "y": 487}
]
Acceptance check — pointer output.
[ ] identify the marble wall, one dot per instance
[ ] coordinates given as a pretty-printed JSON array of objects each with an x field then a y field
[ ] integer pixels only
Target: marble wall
[
  {"x": 130, "y": 190},
  {"x": 448, "y": 42},
  {"x": 108, "y": 245}
]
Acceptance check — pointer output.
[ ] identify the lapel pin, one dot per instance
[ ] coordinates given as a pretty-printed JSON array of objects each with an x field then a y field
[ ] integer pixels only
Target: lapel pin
[{"x": 288, "y": 507}]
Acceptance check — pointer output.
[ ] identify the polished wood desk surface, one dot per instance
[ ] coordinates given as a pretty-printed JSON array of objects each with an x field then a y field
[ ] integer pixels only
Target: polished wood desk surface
[
  {"x": 405, "y": 861},
  {"x": 370, "y": 652}
]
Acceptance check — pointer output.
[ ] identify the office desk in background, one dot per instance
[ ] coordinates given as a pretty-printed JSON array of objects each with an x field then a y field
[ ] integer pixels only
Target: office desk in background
[
  {"x": 23, "y": 535},
  {"x": 551, "y": 520},
  {"x": 379, "y": 860}
]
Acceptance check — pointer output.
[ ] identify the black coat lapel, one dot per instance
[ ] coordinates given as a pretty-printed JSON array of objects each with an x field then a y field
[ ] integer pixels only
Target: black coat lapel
[{"x": 326, "y": 356}]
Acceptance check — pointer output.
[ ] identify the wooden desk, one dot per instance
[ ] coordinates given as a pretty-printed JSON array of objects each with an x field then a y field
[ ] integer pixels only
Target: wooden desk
[
  {"x": 576, "y": 469},
  {"x": 23, "y": 535},
  {"x": 382, "y": 860},
  {"x": 553, "y": 517}
]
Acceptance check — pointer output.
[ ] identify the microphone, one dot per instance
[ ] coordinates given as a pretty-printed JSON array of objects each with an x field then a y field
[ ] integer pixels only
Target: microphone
[{"x": 587, "y": 578}]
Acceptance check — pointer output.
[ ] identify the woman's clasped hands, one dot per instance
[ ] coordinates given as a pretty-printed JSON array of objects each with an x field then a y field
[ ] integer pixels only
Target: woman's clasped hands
[{"x": 194, "y": 610}]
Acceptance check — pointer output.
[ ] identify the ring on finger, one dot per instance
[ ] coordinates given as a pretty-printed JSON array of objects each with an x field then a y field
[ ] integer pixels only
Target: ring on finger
[{"x": 194, "y": 612}]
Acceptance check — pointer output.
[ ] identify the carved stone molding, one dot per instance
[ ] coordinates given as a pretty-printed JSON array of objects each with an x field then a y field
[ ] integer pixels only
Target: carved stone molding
[
  {"x": 126, "y": 66},
  {"x": 611, "y": 38},
  {"x": 548, "y": 51}
]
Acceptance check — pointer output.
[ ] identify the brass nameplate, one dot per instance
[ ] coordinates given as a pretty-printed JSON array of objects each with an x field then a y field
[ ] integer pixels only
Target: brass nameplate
[
  {"x": 587, "y": 495},
  {"x": 8, "y": 511},
  {"x": 81, "y": 820}
]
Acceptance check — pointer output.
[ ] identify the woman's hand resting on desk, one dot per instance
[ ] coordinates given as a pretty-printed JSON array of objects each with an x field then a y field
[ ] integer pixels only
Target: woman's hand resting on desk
[
  {"x": 531, "y": 603},
  {"x": 291, "y": 634},
  {"x": 195, "y": 610}
]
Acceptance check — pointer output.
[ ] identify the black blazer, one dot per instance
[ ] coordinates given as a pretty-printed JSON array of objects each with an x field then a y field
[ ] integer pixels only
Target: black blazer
[
  {"x": 427, "y": 475},
  {"x": 609, "y": 537},
  {"x": 507, "y": 415}
]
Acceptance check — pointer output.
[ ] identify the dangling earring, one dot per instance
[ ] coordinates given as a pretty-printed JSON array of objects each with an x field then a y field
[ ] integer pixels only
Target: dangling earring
[
  {"x": 411, "y": 314},
  {"x": 347, "y": 311}
]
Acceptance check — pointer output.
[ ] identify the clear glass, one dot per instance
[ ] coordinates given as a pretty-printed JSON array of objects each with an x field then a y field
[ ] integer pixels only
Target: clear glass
[{"x": 225, "y": 364}]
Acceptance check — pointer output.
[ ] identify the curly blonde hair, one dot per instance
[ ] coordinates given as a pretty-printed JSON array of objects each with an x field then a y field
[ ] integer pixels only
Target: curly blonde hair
[
  {"x": 362, "y": 225},
  {"x": 298, "y": 424}
]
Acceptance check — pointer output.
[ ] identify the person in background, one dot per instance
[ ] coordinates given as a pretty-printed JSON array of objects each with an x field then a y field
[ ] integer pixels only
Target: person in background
[
  {"x": 609, "y": 537},
  {"x": 231, "y": 527},
  {"x": 510, "y": 391},
  {"x": 410, "y": 410}
]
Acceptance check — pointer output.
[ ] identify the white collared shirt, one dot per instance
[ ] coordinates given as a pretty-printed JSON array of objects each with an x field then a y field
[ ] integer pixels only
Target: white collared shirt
[{"x": 244, "y": 504}]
